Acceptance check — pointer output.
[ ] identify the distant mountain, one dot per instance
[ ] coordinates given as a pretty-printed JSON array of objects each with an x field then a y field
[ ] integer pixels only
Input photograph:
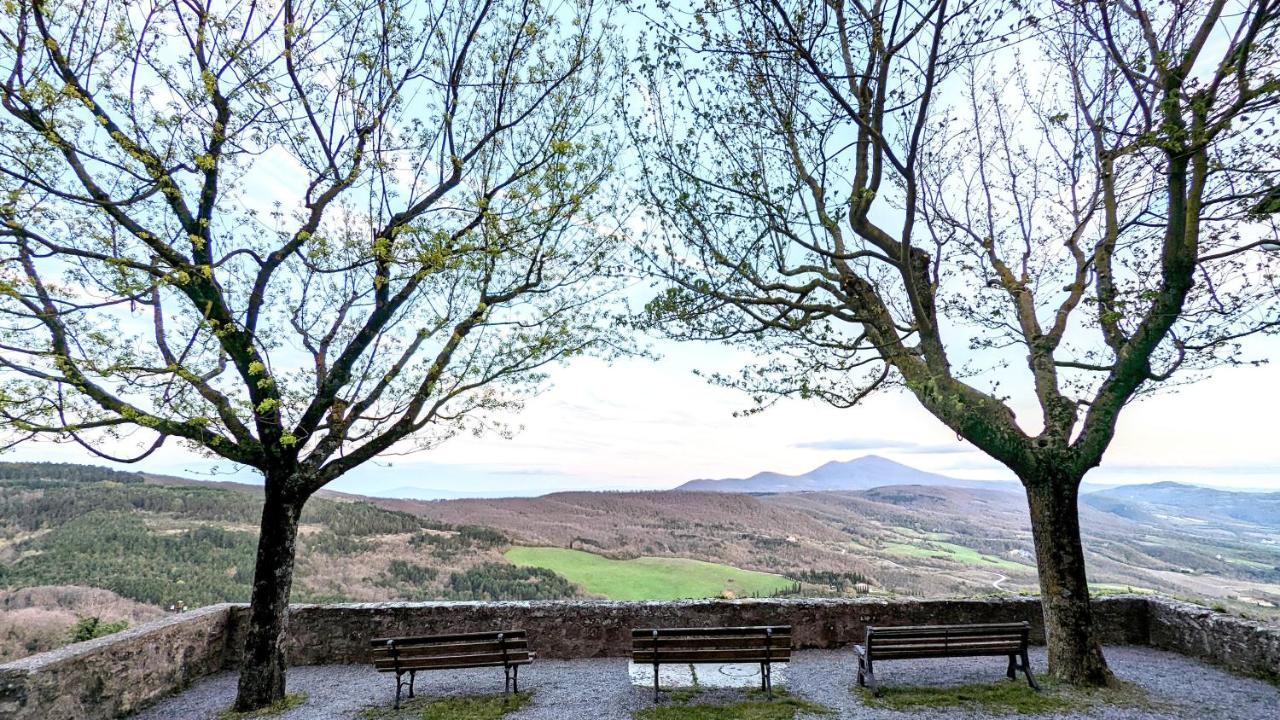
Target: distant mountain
[
  {"x": 864, "y": 473},
  {"x": 1164, "y": 501},
  {"x": 411, "y": 492}
]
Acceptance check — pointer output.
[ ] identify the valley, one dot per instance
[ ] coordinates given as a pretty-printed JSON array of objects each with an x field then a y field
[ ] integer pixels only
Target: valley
[{"x": 127, "y": 547}]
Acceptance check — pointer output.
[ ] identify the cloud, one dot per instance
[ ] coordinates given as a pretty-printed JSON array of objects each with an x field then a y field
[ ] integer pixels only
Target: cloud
[
  {"x": 949, "y": 449},
  {"x": 852, "y": 444},
  {"x": 532, "y": 471},
  {"x": 910, "y": 448},
  {"x": 1267, "y": 469}
]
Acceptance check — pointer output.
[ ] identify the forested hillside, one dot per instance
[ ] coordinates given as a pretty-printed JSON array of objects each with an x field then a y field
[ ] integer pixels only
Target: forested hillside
[{"x": 65, "y": 528}]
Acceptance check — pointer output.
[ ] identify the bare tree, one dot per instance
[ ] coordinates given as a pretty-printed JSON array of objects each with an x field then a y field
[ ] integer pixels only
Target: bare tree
[
  {"x": 1065, "y": 204},
  {"x": 295, "y": 235}
]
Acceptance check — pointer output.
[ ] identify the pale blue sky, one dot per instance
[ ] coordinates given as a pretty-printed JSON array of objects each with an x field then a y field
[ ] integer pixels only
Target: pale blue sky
[{"x": 642, "y": 424}]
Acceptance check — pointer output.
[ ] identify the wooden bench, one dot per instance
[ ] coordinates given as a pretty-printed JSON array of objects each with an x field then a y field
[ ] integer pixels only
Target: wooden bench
[
  {"x": 508, "y": 650},
  {"x": 943, "y": 641},
  {"x": 679, "y": 646}
]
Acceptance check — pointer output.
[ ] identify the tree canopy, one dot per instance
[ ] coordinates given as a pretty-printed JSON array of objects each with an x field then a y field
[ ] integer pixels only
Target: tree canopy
[
  {"x": 983, "y": 202},
  {"x": 299, "y": 233}
]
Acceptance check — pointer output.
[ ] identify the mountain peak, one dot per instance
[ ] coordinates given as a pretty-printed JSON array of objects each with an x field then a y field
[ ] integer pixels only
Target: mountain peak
[
  {"x": 859, "y": 473},
  {"x": 864, "y": 460}
]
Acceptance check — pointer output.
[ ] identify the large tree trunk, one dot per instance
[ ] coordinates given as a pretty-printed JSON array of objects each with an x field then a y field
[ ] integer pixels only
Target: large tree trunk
[
  {"x": 1075, "y": 655},
  {"x": 262, "y": 669}
]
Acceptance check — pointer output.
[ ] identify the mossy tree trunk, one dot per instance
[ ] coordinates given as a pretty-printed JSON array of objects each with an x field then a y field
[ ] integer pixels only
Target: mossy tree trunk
[
  {"x": 1075, "y": 653},
  {"x": 262, "y": 669}
]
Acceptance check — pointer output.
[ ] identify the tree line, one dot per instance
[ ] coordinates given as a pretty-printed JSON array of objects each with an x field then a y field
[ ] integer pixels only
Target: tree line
[{"x": 67, "y": 472}]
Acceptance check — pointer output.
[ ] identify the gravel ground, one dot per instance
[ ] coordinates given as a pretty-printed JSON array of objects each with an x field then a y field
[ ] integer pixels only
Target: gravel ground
[{"x": 598, "y": 689}]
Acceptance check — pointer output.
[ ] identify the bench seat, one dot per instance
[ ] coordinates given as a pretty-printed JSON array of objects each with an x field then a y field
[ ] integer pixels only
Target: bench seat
[
  {"x": 507, "y": 649},
  {"x": 945, "y": 641},
  {"x": 765, "y": 645}
]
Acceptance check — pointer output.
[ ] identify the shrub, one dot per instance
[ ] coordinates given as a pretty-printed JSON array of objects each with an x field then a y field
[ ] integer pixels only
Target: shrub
[{"x": 89, "y": 628}]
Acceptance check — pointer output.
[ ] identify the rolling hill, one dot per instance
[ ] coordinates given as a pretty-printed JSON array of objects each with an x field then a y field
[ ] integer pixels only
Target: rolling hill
[
  {"x": 1165, "y": 500},
  {"x": 156, "y": 541},
  {"x": 904, "y": 539}
]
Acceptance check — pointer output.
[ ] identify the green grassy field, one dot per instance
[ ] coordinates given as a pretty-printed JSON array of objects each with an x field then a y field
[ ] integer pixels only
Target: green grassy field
[{"x": 647, "y": 578}]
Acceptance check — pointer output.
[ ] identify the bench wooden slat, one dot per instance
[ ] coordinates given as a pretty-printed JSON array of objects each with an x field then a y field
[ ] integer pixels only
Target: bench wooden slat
[
  {"x": 453, "y": 661},
  {"x": 778, "y": 630},
  {"x": 924, "y": 650},
  {"x": 455, "y": 637},
  {"x": 879, "y": 650},
  {"x": 972, "y": 629},
  {"x": 664, "y": 643},
  {"x": 445, "y": 662},
  {"x": 905, "y": 642},
  {"x": 468, "y": 648},
  {"x": 877, "y": 637},
  {"x": 712, "y": 655},
  {"x": 417, "y": 654},
  {"x": 949, "y": 633},
  {"x": 959, "y": 652},
  {"x": 945, "y": 642}
]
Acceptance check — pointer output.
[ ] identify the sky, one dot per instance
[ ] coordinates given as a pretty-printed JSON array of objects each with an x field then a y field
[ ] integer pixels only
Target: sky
[{"x": 651, "y": 424}]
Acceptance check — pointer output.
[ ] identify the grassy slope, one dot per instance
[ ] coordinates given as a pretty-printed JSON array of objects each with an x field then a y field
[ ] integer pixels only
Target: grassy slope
[{"x": 647, "y": 578}]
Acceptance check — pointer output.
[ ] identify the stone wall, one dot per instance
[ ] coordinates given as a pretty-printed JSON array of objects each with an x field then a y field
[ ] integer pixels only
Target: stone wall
[
  {"x": 326, "y": 634},
  {"x": 1243, "y": 646},
  {"x": 117, "y": 674}
]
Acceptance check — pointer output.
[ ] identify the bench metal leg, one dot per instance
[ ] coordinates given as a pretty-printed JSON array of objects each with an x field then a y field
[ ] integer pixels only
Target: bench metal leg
[
  {"x": 867, "y": 678},
  {"x": 1012, "y": 672},
  {"x": 655, "y": 682},
  {"x": 399, "y": 685},
  {"x": 1026, "y": 668},
  {"x": 412, "y": 675},
  {"x": 511, "y": 679},
  {"x": 766, "y": 672}
]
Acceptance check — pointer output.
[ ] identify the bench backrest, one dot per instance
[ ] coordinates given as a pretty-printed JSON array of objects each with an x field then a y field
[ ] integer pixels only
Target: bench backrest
[
  {"x": 765, "y": 643},
  {"x": 922, "y": 641},
  {"x": 463, "y": 650}
]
